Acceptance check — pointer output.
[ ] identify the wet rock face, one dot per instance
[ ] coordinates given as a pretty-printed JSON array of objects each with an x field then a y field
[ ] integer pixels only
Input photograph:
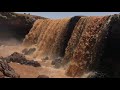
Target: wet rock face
[
  {"x": 25, "y": 51},
  {"x": 28, "y": 51},
  {"x": 98, "y": 75},
  {"x": 42, "y": 76},
  {"x": 45, "y": 59},
  {"x": 6, "y": 71},
  {"x": 57, "y": 62},
  {"x": 20, "y": 58}
]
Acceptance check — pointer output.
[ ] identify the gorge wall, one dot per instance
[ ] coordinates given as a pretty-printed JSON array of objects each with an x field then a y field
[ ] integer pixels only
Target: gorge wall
[{"x": 13, "y": 25}]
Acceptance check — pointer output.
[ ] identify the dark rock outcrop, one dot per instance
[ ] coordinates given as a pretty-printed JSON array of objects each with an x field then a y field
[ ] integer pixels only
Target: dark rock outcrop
[
  {"x": 45, "y": 58},
  {"x": 28, "y": 51},
  {"x": 6, "y": 71},
  {"x": 13, "y": 25},
  {"x": 57, "y": 62},
  {"x": 20, "y": 58},
  {"x": 110, "y": 61},
  {"x": 42, "y": 76}
]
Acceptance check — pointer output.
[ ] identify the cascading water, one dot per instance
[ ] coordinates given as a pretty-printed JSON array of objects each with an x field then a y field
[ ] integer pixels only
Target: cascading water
[
  {"x": 51, "y": 36},
  {"x": 87, "y": 45}
]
